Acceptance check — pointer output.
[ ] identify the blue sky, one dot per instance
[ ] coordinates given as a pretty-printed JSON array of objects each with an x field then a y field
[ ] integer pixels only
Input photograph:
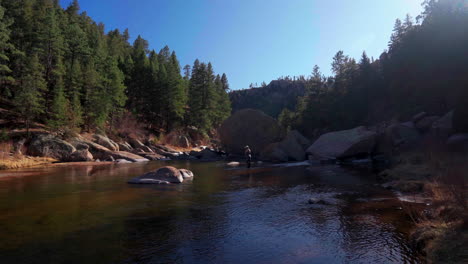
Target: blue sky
[{"x": 257, "y": 40}]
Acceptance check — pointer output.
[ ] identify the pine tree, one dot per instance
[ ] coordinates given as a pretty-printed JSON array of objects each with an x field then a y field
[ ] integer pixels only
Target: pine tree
[
  {"x": 58, "y": 109},
  {"x": 5, "y": 47},
  {"x": 28, "y": 100}
]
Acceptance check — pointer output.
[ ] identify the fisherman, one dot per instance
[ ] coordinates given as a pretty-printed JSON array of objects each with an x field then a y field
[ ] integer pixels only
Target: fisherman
[{"x": 248, "y": 155}]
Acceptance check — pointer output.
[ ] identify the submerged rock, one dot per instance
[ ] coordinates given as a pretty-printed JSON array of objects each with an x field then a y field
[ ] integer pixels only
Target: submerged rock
[{"x": 164, "y": 175}]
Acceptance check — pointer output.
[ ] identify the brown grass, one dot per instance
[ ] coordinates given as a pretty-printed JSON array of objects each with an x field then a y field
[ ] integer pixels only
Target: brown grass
[{"x": 25, "y": 161}]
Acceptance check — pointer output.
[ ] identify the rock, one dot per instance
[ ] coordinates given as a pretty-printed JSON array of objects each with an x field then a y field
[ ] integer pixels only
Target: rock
[
  {"x": 128, "y": 156},
  {"x": 425, "y": 124},
  {"x": 318, "y": 201},
  {"x": 106, "y": 142},
  {"x": 152, "y": 156},
  {"x": 208, "y": 154},
  {"x": 186, "y": 174},
  {"x": 443, "y": 127},
  {"x": 458, "y": 143},
  {"x": 98, "y": 151},
  {"x": 81, "y": 146},
  {"x": 233, "y": 164},
  {"x": 165, "y": 174},
  {"x": 248, "y": 127},
  {"x": 50, "y": 146},
  {"x": 124, "y": 146},
  {"x": 295, "y": 145},
  {"x": 397, "y": 136},
  {"x": 147, "y": 149},
  {"x": 122, "y": 161},
  {"x": 176, "y": 139},
  {"x": 418, "y": 117},
  {"x": 274, "y": 153},
  {"x": 341, "y": 144},
  {"x": 135, "y": 143},
  {"x": 81, "y": 155}
]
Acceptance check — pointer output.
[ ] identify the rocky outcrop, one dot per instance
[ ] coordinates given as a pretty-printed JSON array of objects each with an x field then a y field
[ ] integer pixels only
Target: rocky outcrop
[
  {"x": 249, "y": 127},
  {"x": 163, "y": 175},
  {"x": 124, "y": 146},
  {"x": 106, "y": 142},
  {"x": 128, "y": 156},
  {"x": 341, "y": 144},
  {"x": 135, "y": 143},
  {"x": 98, "y": 151},
  {"x": 81, "y": 155},
  {"x": 50, "y": 146},
  {"x": 398, "y": 136}
]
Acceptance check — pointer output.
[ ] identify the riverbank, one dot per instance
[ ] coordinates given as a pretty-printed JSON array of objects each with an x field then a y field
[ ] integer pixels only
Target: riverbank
[{"x": 440, "y": 226}]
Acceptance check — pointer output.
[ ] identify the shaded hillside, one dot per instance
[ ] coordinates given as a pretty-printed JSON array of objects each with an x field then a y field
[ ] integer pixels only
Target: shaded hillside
[{"x": 270, "y": 99}]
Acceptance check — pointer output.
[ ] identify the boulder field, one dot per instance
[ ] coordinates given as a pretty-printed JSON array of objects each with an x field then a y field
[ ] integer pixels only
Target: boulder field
[{"x": 269, "y": 142}]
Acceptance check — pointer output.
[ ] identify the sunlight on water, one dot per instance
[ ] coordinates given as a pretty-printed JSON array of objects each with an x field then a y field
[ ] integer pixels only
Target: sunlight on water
[{"x": 88, "y": 214}]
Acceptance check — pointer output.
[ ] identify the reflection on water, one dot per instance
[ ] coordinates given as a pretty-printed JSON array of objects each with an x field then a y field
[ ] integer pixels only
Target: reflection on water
[{"x": 88, "y": 214}]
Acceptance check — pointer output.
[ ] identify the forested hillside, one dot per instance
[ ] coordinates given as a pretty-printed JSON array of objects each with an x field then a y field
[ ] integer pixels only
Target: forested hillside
[
  {"x": 271, "y": 98},
  {"x": 61, "y": 68},
  {"x": 425, "y": 68}
]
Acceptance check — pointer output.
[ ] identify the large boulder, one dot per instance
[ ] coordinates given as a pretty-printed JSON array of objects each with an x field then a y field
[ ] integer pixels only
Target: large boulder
[
  {"x": 50, "y": 146},
  {"x": 295, "y": 145},
  {"x": 81, "y": 155},
  {"x": 166, "y": 174},
  {"x": 249, "y": 127},
  {"x": 106, "y": 142},
  {"x": 98, "y": 151},
  {"x": 274, "y": 153},
  {"x": 341, "y": 144},
  {"x": 398, "y": 136}
]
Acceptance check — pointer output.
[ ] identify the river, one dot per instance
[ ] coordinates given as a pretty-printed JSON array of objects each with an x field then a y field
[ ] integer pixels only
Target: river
[{"x": 89, "y": 214}]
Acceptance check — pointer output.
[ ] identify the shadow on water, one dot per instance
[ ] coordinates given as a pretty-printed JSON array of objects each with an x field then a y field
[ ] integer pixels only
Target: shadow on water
[{"x": 88, "y": 214}]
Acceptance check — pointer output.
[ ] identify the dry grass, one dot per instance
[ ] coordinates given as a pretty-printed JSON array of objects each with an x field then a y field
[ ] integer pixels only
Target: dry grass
[
  {"x": 24, "y": 161},
  {"x": 441, "y": 227}
]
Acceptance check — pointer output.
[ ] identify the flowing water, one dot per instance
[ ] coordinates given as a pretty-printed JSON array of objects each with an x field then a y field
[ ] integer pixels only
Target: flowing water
[{"x": 89, "y": 214}]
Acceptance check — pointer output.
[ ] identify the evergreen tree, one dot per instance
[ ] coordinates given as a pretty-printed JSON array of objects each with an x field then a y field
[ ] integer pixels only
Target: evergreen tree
[
  {"x": 28, "y": 100},
  {"x": 5, "y": 47}
]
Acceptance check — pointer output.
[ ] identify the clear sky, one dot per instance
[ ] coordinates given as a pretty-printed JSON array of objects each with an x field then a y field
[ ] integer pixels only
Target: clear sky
[{"x": 256, "y": 40}]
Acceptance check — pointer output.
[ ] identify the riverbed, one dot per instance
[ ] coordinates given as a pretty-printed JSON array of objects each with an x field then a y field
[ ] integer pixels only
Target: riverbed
[{"x": 89, "y": 214}]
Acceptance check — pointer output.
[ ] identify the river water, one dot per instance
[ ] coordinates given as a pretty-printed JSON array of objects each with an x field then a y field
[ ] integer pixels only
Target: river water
[{"x": 89, "y": 214}]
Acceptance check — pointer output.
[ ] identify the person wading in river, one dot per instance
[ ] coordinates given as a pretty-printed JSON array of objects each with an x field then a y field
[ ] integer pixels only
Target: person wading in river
[{"x": 248, "y": 155}]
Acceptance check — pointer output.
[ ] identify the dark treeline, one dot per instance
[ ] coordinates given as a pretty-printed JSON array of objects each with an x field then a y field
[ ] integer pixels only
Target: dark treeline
[
  {"x": 59, "y": 67},
  {"x": 424, "y": 69}
]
